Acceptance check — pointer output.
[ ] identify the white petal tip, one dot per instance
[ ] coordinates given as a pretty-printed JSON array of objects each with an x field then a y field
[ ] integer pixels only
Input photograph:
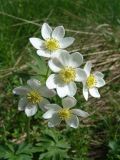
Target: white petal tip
[
  {"x": 13, "y": 92},
  {"x": 31, "y": 40},
  {"x": 50, "y": 125},
  {"x": 29, "y": 115},
  {"x": 73, "y": 126},
  {"x": 86, "y": 98}
]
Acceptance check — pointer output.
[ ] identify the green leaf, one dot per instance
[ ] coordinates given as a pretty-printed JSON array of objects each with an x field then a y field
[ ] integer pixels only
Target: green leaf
[
  {"x": 2, "y": 151},
  {"x": 10, "y": 146},
  {"x": 53, "y": 146},
  {"x": 24, "y": 157},
  {"x": 113, "y": 145},
  {"x": 24, "y": 148}
]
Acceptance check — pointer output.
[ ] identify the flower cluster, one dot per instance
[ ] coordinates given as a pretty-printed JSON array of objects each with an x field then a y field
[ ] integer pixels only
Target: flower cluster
[{"x": 66, "y": 72}]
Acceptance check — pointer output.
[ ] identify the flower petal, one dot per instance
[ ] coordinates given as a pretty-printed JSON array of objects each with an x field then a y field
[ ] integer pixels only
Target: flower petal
[
  {"x": 85, "y": 92},
  {"x": 46, "y": 31},
  {"x": 80, "y": 113},
  {"x": 50, "y": 125},
  {"x": 72, "y": 89},
  {"x": 45, "y": 92},
  {"x": 80, "y": 75},
  {"x": 30, "y": 110},
  {"x": 48, "y": 114},
  {"x": 43, "y": 53},
  {"x": 62, "y": 91},
  {"x": 58, "y": 32},
  {"x": 21, "y": 90},
  {"x": 54, "y": 121},
  {"x": 69, "y": 102},
  {"x": 34, "y": 83},
  {"x": 64, "y": 58},
  {"x": 22, "y": 104},
  {"x": 76, "y": 59},
  {"x": 58, "y": 52},
  {"x": 51, "y": 81},
  {"x": 67, "y": 90},
  {"x": 43, "y": 104},
  {"x": 36, "y": 42},
  {"x": 100, "y": 82},
  {"x": 55, "y": 65},
  {"x": 73, "y": 121},
  {"x": 99, "y": 74},
  {"x": 53, "y": 107},
  {"x": 94, "y": 92},
  {"x": 65, "y": 42},
  {"x": 88, "y": 67}
]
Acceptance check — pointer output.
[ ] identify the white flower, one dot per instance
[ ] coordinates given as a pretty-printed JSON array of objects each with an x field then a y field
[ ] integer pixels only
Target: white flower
[
  {"x": 93, "y": 82},
  {"x": 56, "y": 114},
  {"x": 54, "y": 42},
  {"x": 32, "y": 96},
  {"x": 66, "y": 72}
]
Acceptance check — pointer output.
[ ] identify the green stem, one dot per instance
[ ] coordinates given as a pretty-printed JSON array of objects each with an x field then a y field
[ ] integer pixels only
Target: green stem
[
  {"x": 4, "y": 137},
  {"x": 28, "y": 129}
]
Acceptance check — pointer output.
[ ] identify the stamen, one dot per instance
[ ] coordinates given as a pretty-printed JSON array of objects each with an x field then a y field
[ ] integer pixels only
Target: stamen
[
  {"x": 34, "y": 97},
  {"x": 64, "y": 113},
  {"x": 91, "y": 81},
  {"x": 52, "y": 44},
  {"x": 67, "y": 74}
]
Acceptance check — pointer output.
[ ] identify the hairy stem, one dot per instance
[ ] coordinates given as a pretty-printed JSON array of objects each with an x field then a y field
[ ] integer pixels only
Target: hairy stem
[
  {"x": 46, "y": 76},
  {"x": 28, "y": 129}
]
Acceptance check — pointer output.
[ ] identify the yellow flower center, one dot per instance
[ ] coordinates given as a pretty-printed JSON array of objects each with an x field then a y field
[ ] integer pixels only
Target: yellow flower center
[
  {"x": 67, "y": 74},
  {"x": 91, "y": 81},
  {"x": 64, "y": 113},
  {"x": 34, "y": 97},
  {"x": 52, "y": 44}
]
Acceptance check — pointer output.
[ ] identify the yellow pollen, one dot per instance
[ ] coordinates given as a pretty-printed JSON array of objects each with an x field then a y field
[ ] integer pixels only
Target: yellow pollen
[
  {"x": 52, "y": 44},
  {"x": 67, "y": 74},
  {"x": 91, "y": 81},
  {"x": 34, "y": 97},
  {"x": 64, "y": 113}
]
